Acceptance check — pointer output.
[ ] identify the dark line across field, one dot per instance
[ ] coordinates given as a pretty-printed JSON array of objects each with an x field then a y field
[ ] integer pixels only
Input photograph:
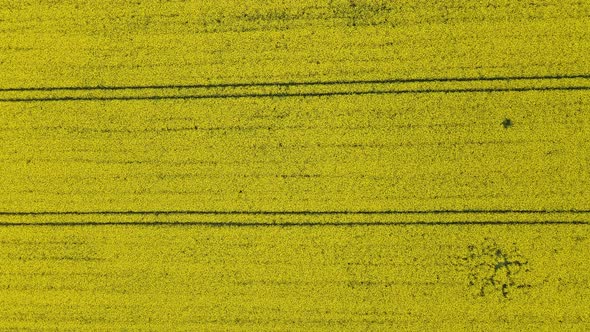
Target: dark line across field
[
  {"x": 309, "y": 83},
  {"x": 287, "y": 95}
]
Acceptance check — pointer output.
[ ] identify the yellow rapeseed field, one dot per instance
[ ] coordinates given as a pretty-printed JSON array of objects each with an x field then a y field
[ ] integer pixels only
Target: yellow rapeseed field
[{"x": 329, "y": 165}]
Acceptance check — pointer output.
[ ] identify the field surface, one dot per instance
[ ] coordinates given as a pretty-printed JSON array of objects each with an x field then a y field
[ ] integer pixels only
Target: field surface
[{"x": 199, "y": 165}]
